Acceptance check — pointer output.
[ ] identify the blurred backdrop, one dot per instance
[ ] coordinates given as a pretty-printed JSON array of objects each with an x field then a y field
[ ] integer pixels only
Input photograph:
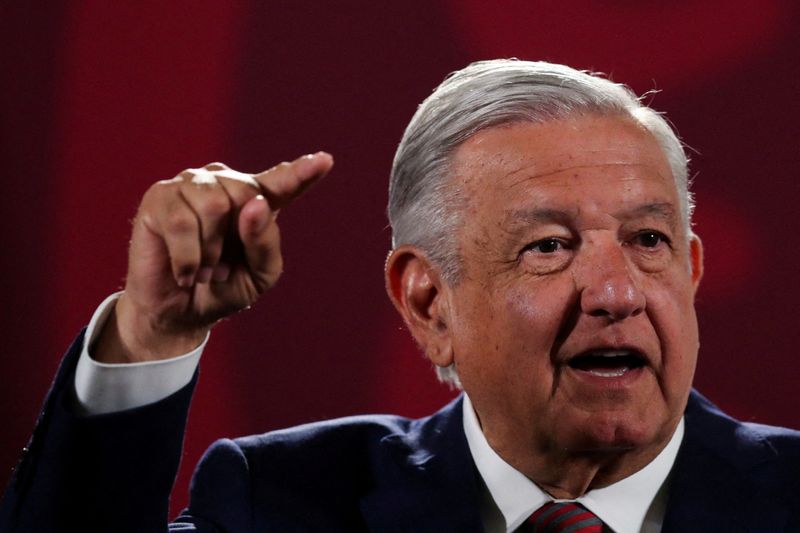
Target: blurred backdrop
[{"x": 100, "y": 99}]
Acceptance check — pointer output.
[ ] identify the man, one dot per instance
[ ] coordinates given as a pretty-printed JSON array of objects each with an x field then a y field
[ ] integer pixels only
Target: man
[{"x": 543, "y": 260}]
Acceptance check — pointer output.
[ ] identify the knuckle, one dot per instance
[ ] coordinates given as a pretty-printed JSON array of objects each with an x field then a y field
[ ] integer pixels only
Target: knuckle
[
  {"x": 216, "y": 165},
  {"x": 214, "y": 206},
  {"x": 180, "y": 222},
  {"x": 161, "y": 187},
  {"x": 283, "y": 167},
  {"x": 240, "y": 189},
  {"x": 184, "y": 175},
  {"x": 202, "y": 180},
  {"x": 158, "y": 197}
]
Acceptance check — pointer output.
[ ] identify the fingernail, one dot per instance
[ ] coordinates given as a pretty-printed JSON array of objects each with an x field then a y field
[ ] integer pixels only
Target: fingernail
[
  {"x": 221, "y": 272},
  {"x": 204, "y": 274},
  {"x": 260, "y": 222}
]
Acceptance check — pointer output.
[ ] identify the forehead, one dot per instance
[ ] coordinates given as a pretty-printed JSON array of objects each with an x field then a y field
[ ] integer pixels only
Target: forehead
[{"x": 582, "y": 160}]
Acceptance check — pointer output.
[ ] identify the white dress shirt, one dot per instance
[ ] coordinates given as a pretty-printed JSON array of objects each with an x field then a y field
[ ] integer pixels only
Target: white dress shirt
[
  {"x": 106, "y": 388},
  {"x": 634, "y": 505}
]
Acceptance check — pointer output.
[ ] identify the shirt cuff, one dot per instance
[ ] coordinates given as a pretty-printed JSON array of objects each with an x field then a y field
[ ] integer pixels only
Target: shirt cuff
[{"x": 107, "y": 388}]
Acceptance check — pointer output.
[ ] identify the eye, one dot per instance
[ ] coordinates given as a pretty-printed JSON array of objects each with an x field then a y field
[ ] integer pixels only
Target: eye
[
  {"x": 650, "y": 239},
  {"x": 545, "y": 246}
]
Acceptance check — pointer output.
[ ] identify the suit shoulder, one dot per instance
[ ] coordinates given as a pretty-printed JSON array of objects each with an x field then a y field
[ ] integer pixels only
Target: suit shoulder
[
  {"x": 743, "y": 445},
  {"x": 347, "y": 431},
  {"x": 726, "y": 468},
  {"x": 309, "y": 457},
  {"x": 342, "y": 472},
  {"x": 332, "y": 466},
  {"x": 343, "y": 454},
  {"x": 356, "y": 432},
  {"x": 784, "y": 441}
]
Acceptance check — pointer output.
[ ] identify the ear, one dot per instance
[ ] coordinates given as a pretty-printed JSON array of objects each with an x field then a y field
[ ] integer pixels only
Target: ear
[
  {"x": 416, "y": 289},
  {"x": 696, "y": 258}
]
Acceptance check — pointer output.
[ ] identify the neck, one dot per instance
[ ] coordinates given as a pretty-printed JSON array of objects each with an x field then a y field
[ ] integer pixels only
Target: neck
[{"x": 569, "y": 475}]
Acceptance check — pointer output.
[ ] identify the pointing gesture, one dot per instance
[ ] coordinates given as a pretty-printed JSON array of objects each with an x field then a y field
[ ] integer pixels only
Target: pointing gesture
[{"x": 205, "y": 244}]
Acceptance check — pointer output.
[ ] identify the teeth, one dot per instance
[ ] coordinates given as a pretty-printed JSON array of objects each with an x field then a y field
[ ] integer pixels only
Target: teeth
[
  {"x": 619, "y": 372},
  {"x": 611, "y": 353}
]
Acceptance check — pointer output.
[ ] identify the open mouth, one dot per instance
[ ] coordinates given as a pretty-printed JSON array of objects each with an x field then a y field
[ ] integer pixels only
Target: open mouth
[{"x": 608, "y": 363}]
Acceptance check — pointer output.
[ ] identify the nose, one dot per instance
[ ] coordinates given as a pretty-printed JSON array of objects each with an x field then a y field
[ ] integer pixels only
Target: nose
[{"x": 607, "y": 286}]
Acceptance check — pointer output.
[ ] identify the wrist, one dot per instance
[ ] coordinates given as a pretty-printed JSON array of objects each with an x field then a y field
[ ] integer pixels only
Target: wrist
[{"x": 132, "y": 336}]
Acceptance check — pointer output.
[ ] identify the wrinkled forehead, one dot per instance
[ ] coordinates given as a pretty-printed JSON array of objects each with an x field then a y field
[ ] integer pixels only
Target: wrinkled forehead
[{"x": 503, "y": 156}]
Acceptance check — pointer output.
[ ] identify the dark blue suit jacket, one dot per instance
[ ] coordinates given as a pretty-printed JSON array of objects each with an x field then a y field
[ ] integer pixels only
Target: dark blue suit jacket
[{"x": 371, "y": 473}]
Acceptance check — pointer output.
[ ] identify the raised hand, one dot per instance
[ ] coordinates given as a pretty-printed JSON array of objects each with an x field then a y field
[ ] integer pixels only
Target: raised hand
[{"x": 205, "y": 244}]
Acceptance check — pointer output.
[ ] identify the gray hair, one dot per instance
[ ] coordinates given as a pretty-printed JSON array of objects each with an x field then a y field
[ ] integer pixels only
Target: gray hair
[{"x": 423, "y": 207}]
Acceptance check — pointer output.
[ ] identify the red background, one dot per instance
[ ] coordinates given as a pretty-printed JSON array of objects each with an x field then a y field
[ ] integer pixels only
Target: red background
[{"x": 100, "y": 99}]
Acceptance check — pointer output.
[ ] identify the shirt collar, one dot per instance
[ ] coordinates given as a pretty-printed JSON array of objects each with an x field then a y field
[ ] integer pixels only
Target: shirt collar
[{"x": 622, "y": 506}]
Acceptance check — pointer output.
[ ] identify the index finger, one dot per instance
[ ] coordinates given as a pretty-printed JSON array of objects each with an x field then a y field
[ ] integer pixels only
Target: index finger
[{"x": 285, "y": 182}]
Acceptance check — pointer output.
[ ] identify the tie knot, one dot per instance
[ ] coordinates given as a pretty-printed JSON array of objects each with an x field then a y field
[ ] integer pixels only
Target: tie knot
[{"x": 564, "y": 517}]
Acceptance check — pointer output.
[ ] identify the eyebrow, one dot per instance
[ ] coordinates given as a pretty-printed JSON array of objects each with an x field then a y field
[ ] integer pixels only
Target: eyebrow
[
  {"x": 524, "y": 217},
  {"x": 662, "y": 210}
]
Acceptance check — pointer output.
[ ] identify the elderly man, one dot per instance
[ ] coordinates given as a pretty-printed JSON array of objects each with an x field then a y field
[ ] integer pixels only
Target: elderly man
[{"x": 543, "y": 260}]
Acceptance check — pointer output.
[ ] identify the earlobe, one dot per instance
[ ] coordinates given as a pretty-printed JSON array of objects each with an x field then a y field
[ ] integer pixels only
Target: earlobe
[{"x": 418, "y": 293}]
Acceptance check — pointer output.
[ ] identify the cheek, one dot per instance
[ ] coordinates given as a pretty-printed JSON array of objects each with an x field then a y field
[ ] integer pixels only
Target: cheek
[
  {"x": 534, "y": 320},
  {"x": 513, "y": 328},
  {"x": 672, "y": 313}
]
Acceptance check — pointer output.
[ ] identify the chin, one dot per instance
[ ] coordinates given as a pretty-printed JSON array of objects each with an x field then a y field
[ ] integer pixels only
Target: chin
[{"x": 615, "y": 432}]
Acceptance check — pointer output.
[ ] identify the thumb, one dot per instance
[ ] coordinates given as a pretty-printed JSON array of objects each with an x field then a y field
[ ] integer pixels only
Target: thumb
[{"x": 258, "y": 231}]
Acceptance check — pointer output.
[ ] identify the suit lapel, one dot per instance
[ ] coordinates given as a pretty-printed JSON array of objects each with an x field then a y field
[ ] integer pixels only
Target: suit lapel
[{"x": 431, "y": 482}]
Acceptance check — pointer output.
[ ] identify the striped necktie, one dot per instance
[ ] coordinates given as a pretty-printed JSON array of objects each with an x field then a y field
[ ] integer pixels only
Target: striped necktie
[{"x": 564, "y": 517}]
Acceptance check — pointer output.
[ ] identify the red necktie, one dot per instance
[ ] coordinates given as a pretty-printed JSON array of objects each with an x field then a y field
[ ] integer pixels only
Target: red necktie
[{"x": 564, "y": 517}]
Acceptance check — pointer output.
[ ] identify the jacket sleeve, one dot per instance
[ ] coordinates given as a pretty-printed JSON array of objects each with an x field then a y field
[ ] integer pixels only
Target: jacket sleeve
[{"x": 111, "y": 472}]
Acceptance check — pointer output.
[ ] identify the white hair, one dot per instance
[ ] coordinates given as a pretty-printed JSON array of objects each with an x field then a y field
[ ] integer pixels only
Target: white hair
[{"x": 425, "y": 211}]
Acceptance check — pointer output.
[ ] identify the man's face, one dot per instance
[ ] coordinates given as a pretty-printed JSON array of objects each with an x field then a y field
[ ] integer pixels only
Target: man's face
[{"x": 573, "y": 325}]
